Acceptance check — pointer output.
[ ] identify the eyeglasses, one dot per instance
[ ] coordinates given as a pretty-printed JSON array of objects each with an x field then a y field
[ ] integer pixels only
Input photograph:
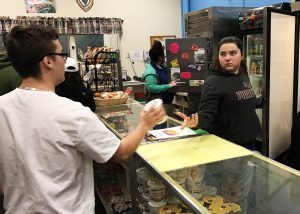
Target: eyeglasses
[{"x": 63, "y": 55}]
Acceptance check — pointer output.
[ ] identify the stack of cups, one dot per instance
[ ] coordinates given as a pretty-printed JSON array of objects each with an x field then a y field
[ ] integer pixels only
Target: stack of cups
[
  {"x": 195, "y": 181},
  {"x": 157, "y": 190},
  {"x": 179, "y": 176},
  {"x": 157, "y": 193},
  {"x": 143, "y": 176}
]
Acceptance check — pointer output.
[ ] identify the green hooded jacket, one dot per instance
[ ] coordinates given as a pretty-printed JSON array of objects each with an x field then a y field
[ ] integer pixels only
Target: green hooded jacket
[
  {"x": 151, "y": 81},
  {"x": 9, "y": 78}
]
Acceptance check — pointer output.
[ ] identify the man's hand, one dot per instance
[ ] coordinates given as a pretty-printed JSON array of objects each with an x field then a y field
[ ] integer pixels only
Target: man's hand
[
  {"x": 151, "y": 117},
  {"x": 190, "y": 122},
  {"x": 130, "y": 143}
]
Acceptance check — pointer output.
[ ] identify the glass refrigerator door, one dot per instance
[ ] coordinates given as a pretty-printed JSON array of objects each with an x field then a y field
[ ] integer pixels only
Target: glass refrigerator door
[{"x": 254, "y": 53}]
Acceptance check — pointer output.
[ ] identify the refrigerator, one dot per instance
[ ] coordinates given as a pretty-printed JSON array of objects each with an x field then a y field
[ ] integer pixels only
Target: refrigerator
[
  {"x": 213, "y": 23},
  {"x": 269, "y": 45}
]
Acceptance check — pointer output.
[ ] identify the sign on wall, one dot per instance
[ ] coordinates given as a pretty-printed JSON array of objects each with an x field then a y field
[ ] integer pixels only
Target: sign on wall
[
  {"x": 40, "y": 6},
  {"x": 85, "y": 5}
]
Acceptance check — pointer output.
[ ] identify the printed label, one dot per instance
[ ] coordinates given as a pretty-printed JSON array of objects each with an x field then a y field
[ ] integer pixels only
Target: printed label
[
  {"x": 196, "y": 82},
  {"x": 174, "y": 63}
]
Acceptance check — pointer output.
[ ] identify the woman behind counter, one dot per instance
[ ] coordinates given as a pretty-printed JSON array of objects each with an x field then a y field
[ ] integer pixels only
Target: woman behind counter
[
  {"x": 228, "y": 103},
  {"x": 156, "y": 78},
  {"x": 73, "y": 86}
]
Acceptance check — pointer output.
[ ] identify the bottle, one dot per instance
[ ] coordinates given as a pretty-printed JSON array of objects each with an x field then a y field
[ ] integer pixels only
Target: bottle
[
  {"x": 250, "y": 47},
  {"x": 261, "y": 48},
  {"x": 256, "y": 47}
]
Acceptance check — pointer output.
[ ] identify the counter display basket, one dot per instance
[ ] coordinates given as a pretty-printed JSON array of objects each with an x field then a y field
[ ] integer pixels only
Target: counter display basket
[
  {"x": 107, "y": 70},
  {"x": 110, "y": 102}
]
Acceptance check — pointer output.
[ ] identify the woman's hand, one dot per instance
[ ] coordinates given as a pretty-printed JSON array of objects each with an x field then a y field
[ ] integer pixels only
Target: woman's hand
[
  {"x": 188, "y": 121},
  {"x": 173, "y": 84}
]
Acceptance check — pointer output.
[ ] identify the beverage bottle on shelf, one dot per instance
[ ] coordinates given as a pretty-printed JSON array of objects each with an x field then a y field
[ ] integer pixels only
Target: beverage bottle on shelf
[
  {"x": 261, "y": 48},
  {"x": 113, "y": 58},
  {"x": 256, "y": 47},
  {"x": 250, "y": 47},
  {"x": 260, "y": 67}
]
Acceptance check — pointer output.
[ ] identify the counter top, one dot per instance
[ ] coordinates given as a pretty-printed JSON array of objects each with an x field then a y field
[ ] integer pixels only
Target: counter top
[
  {"x": 197, "y": 150},
  {"x": 130, "y": 83}
]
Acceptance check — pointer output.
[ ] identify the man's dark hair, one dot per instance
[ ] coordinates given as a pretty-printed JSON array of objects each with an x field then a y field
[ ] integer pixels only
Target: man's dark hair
[
  {"x": 239, "y": 44},
  {"x": 27, "y": 45},
  {"x": 156, "y": 51}
]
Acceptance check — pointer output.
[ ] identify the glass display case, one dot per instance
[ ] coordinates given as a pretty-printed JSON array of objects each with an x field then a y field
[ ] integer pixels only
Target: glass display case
[
  {"x": 121, "y": 119},
  {"x": 199, "y": 174},
  {"x": 112, "y": 181},
  {"x": 210, "y": 175}
]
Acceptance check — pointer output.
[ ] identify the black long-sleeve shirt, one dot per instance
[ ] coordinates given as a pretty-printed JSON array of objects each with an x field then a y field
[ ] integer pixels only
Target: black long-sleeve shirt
[
  {"x": 227, "y": 107},
  {"x": 78, "y": 93}
]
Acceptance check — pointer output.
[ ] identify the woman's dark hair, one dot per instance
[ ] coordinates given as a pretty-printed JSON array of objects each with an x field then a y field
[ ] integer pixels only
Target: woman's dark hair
[
  {"x": 157, "y": 45},
  {"x": 73, "y": 79},
  {"x": 156, "y": 51},
  {"x": 73, "y": 88},
  {"x": 239, "y": 44},
  {"x": 27, "y": 45}
]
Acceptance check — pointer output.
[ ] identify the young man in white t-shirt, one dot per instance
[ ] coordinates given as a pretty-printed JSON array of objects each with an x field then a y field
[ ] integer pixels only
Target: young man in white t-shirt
[{"x": 47, "y": 142}]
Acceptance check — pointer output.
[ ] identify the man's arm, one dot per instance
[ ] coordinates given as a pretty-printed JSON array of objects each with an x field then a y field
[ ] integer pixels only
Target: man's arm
[{"x": 130, "y": 143}]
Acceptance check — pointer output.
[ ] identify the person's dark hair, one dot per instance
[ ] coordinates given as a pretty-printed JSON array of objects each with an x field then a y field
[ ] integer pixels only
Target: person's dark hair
[
  {"x": 73, "y": 79},
  {"x": 157, "y": 45},
  {"x": 73, "y": 88},
  {"x": 27, "y": 45},
  {"x": 239, "y": 44},
  {"x": 156, "y": 51}
]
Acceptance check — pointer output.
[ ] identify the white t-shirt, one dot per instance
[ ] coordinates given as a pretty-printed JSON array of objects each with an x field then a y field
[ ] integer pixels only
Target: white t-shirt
[{"x": 47, "y": 144}]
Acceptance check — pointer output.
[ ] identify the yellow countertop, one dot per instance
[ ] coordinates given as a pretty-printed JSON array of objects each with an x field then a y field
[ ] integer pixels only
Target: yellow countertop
[{"x": 181, "y": 153}]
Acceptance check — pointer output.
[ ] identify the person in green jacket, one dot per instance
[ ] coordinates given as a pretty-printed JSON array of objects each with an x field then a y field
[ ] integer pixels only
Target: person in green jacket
[
  {"x": 9, "y": 78},
  {"x": 156, "y": 78}
]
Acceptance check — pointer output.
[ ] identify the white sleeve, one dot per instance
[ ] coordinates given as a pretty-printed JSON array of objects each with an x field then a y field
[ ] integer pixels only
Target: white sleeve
[{"x": 94, "y": 139}]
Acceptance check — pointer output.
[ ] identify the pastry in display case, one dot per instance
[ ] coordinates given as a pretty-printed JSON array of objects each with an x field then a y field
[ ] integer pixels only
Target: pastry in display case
[
  {"x": 154, "y": 197},
  {"x": 111, "y": 186},
  {"x": 211, "y": 175}
]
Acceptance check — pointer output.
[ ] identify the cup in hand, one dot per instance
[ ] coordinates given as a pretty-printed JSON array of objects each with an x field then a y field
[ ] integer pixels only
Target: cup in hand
[{"x": 156, "y": 103}]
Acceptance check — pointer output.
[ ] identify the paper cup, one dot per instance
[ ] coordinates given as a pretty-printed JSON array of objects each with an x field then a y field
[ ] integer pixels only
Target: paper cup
[{"x": 155, "y": 103}]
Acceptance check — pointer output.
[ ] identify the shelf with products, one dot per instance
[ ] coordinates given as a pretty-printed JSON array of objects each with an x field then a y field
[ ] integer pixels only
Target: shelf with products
[
  {"x": 111, "y": 187},
  {"x": 255, "y": 56},
  {"x": 103, "y": 69},
  {"x": 180, "y": 102}
]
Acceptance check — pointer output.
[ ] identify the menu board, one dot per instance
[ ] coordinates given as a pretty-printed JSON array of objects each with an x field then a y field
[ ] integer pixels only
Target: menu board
[{"x": 187, "y": 62}]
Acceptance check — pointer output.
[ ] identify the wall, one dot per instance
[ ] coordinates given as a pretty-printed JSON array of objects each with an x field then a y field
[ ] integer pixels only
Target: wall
[
  {"x": 142, "y": 18},
  {"x": 200, "y": 4}
]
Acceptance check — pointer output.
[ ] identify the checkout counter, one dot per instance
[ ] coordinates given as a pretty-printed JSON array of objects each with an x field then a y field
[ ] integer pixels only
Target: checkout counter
[{"x": 201, "y": 173}]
